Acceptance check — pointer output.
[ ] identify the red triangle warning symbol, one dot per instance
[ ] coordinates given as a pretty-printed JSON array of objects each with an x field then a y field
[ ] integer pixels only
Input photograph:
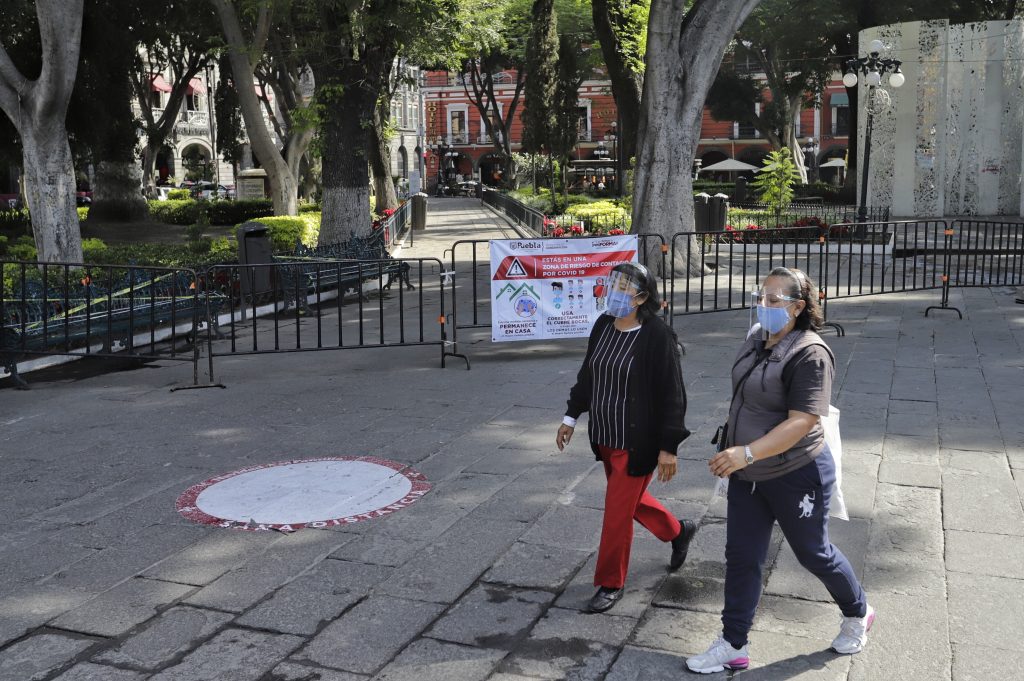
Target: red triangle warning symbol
[{"x": 515, "y": 269}]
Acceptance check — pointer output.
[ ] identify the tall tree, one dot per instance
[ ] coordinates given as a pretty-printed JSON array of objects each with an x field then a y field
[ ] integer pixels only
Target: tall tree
[
  {"x": 621, "y": 29},
  {"x": 684, "y": 51},
  {"x": 540, "y": 115},
  {"x": 351, "y": 53},
  {"x": 773, "y": 50},
  {"x": 494, "y": 38},
  {"x": 38, "y": 109},
  {"x": 564, "y": 134},
  {"x": 244, "y": 50}
]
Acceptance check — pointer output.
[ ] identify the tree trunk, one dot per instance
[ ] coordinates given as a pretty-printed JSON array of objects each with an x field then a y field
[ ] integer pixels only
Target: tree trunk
[
  {"x": 38, "y": 110},
  {"x": 116, "y": 193},
  {"x": 345, "y": 139},
  {"x": 627, "y": 84},
  {"x": 284, "y": 187},
  {"x": 50, "y": 192},
  {"x": 149, "y": 166},
  {"x": 380, "y": 157},
  {"x": 683, "y": 56}
]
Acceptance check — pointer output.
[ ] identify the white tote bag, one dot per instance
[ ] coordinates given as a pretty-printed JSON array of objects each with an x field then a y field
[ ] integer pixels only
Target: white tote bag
[
  {"x": 830, "y": 423},
  {"x": 837, "y": 505}
]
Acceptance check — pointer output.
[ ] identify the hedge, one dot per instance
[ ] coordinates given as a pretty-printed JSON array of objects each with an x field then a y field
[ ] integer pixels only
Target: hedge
[
  {"x": 598, "y": 211},
  {"x": 179, "y": 194},
  {"x": 285, "y": 230},
  {"x": 175, "y": 212}
]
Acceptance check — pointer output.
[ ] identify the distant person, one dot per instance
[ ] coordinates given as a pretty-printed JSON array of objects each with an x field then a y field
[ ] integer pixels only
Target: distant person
[
  {"x": 630, "y": 383},
  {"x": 780, "y": 469}
]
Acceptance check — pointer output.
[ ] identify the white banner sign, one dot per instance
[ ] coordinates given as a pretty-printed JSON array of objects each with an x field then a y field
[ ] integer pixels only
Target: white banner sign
[{"x": 552, "y": 288}]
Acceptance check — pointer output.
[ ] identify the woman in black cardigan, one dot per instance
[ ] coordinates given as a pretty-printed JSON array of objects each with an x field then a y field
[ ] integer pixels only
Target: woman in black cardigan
[{"x": 630, "y": 383}]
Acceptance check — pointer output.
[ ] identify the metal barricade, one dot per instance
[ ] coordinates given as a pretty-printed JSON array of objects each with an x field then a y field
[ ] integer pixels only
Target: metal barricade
[
  {"x": 99, "y": 311},
  {"x": 326, "y": 305}
]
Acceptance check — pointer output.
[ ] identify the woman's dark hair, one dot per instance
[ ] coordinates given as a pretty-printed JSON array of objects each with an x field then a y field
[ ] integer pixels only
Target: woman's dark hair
[
  {"x": 651, "y": 307},
  {"x": 802, "y": 287}
]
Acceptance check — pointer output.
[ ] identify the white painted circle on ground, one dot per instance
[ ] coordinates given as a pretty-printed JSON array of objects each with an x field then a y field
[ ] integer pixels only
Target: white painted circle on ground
[{"x": 312, "y": 492}]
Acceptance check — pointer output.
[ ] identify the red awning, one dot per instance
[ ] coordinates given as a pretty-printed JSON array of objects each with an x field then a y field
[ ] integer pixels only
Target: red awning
[
  {"x": 196, "y": 87},
  {"x": 158, "y": 84}
]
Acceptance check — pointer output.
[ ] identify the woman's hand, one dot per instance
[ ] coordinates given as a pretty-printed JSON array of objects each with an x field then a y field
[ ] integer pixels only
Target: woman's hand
[
  {"x": 728, "y": 461},
  {"x": 564, "y": 435},
  {"x": 666, "y": 466}
]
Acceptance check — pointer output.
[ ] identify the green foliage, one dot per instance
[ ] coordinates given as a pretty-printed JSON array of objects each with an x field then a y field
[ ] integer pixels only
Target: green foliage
[
  {"x": 776, "y": 180},
  {"x": 711, "y": 187},
  {"x": 230, "y": 131},
  {"x": 24, "y": 248},
  {"x": 286, "y": 231},
  {"x": 197, "y": 166},
  {"x": 539, "y": 107},
  {"x": 83, "y": 213},
  {"x": 94, "y": 250},
  {"x": 175, "y": 212},
  {"x": 605, "y": 211},
  {"x": 179, "y": 195},
  {"x": 3, "y": 244},
  {"x": 15, "y": 221},
  {"x": 313, "y": 207}
]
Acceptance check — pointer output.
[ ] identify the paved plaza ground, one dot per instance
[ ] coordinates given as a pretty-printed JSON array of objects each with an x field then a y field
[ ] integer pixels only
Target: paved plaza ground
[{"x": 486, "y": 576}]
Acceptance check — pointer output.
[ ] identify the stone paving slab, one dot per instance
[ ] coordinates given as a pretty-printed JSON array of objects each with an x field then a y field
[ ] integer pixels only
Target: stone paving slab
[
  {"x": 173, "y": 633},
  {"x": 389, "y": 623},
  {"x": 491, "y": 617},
  {"x": 114, "y": 612},
  {"x": 234, "y": 654},
  {"x": 37, "y": 657},
  {"x": 95, "y": 672},
  {"x": 427, "y": 660}
]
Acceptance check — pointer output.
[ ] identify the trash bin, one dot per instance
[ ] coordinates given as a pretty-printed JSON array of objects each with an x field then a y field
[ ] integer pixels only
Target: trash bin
[
  {"x": 254, "y": 248},
  {"x": 718, "y": 212},
  {"x": 741, "y": 191},
  {"x": 419, "y": 211},
  {"x": 700, "y": 212}
]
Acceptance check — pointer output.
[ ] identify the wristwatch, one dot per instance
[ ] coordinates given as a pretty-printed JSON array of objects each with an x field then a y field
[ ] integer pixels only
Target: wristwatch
[{"x": 748, "y": 455}]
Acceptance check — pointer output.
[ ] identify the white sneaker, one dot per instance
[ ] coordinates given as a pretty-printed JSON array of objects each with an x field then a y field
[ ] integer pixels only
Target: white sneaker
[
  {"x": 720, "y": 656},
  {"x": 853, "y": 633}
]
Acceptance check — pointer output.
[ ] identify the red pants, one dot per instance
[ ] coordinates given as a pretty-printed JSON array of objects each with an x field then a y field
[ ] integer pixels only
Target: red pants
[{"x": 626, "y": 500}]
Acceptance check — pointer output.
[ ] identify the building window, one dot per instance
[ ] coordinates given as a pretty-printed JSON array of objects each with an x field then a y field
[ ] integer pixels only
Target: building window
[
  {"x": 840, "y": 105},
  {"x": 458, "y": 129},
  {"x": 583, "y": 123}
]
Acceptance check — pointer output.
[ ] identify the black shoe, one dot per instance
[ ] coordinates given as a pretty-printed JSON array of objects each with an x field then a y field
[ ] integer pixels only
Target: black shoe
[
  {"x": 604, "y": 599},
  {"x": 681, "y": 544}
]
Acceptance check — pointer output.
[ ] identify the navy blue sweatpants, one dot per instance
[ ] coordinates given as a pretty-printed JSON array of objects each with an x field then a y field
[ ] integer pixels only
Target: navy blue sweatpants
[{"x": 798, "y": 500}]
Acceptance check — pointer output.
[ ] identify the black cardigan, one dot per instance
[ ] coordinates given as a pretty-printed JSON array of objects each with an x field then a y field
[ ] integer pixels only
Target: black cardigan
[{"x": 656, "y": 396}]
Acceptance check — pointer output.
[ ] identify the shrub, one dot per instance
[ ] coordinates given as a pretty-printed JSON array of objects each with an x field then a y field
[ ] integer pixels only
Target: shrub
[
  {"x": 15, "y": 221},
  {"x": 179, "y": 195},
  {"x": 83, "y": 213},
  {"x": 286, "y": 231},
  {"x": 3, "y": 244},
  {"x": 599, "y": 216},
  {"x": 175, "y": 212},
  {"x": 776, "y": 180},
  {"x": 309, "y": 207},
  {"x": 24, "y": 248},
  {"x": 93, "y": 250},
  {"x": 235, "y": 212}
]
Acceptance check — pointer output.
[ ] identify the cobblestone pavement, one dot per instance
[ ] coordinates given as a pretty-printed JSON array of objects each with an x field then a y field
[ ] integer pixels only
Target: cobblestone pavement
[{"x": 485, "y": 577}]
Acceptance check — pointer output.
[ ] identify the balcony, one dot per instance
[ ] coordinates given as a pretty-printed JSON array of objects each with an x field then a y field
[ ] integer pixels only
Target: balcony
[
  {"x": 461, "y": 138},
  {"x": 584, "y": 136},
  {"x": 486, "y": 139}
]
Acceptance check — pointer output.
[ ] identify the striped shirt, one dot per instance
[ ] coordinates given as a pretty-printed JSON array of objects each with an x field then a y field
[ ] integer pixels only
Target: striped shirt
[{"x": 610, "y": 365}]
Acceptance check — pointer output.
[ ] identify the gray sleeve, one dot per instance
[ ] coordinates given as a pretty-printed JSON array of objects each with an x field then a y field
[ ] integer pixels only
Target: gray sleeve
[{"x": 808, "y": 378}]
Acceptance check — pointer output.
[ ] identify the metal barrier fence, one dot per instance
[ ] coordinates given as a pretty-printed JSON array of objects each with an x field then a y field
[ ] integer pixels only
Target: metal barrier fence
[
  {"x": 764, "y": 216},
  {"x": 97, "y": 310},
  {"x": 845, "y": 260},
  {"x": 522, "y": 214},
  {"x": 327, "y": 305},
  {"x": 397, "y": 223}
]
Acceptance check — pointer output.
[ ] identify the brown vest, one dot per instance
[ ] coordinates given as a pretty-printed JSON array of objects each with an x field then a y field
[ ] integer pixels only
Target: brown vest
[{"x": 759, "y": 403}]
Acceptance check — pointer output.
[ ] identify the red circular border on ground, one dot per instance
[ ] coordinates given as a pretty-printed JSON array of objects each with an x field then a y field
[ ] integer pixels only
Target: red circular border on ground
[{"x": 186, "y": 503}]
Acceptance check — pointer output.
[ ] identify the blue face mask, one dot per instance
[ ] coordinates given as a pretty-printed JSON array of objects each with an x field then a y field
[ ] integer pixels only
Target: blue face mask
[
  {"x": 772, "y": 319},
  {"x": 620, "y": 304}
]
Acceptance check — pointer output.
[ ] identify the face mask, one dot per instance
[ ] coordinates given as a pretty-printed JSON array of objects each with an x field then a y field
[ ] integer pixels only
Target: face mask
[
  {"x": 772, "y": 319},
  {"x": 620, "y": 304}
]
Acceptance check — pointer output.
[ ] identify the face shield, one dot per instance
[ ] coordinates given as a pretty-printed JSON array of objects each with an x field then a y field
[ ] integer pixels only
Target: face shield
[
  {"x": 623, "y": 288},
  {"x": 771, "y": 308}
]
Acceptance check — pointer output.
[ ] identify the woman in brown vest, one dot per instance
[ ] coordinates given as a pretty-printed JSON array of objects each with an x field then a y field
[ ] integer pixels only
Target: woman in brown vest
[{"x": 779, "y": 468}]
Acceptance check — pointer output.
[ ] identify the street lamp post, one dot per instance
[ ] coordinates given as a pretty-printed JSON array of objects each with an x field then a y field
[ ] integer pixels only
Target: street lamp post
[
  {"x": 810, "y": 150},
  {"x": 872, "y": 68},
  {"x": 613, "y": 134}
]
